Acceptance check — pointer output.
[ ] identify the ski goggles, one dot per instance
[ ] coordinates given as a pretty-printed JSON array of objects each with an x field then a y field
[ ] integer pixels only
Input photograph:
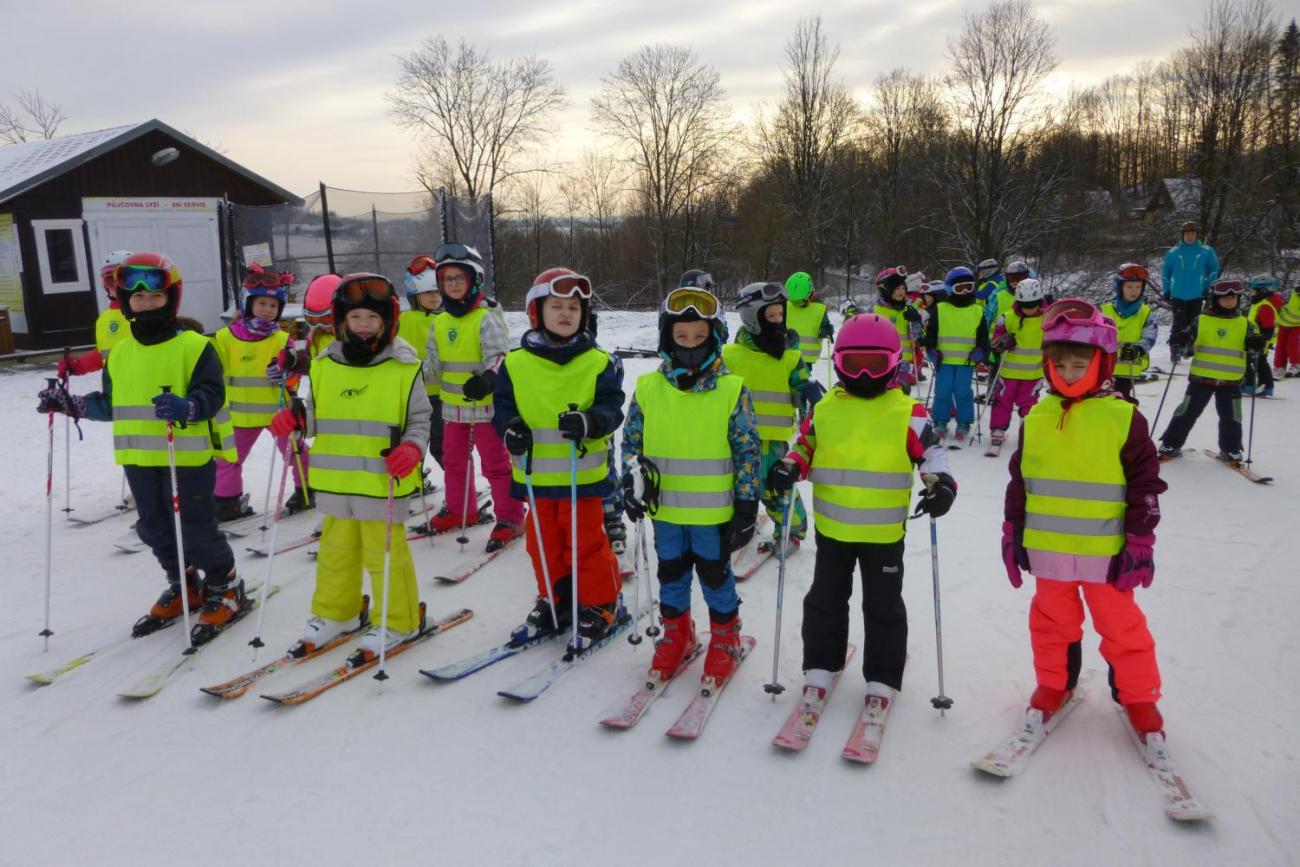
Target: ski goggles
[
  {"x": 705, "y": 304},
  {"x": 963, "y": 288},
  {"x": 420, "y": 264},
  {"x": 454, "y": 251},
  {"x": 1134, "y": 272},
  {"x": 567, "y": 286},
  {"x": 767, "y": 293},
  {"x": 262, "y": 279},
  {"x": 1228, "y": 287},
  {"x": 1070, "y": 311},
  {"x": 356, "y": 288},
  {"x": 874, "y": 363},
  {"x": 892, "y": 278},
  {"x": 138, "y": 278}
]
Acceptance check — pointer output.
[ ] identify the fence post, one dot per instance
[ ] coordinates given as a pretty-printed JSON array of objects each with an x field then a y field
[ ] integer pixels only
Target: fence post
[
  {"x": 374, "y": 224},
  {"x": 325, "y": 222}
]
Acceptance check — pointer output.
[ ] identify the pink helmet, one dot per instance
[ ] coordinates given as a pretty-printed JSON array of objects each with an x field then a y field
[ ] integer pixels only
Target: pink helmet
[
  {"x": 868, "y": 344},
  {"x": 1074, "y": 320},
  {"x": 318, "y": 304}
]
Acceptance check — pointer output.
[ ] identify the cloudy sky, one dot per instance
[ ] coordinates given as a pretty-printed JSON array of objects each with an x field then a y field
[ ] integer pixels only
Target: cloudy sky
[{"x": 294, "y": 89}]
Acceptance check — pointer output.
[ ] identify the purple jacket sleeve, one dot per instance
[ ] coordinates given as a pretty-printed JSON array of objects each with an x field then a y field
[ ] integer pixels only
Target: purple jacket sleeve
[{"x": 1013, "y": 508}]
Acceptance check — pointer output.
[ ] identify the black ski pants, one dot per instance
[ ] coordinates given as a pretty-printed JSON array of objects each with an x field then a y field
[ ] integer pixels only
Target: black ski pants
[
  {"x": 206, "y": 548},
  {"x": 1185, "y": 313},
  {"x": 1258, "y": 371},
  {"x": 826, "y": 608},
  {"x": 1227, "y": 402}
]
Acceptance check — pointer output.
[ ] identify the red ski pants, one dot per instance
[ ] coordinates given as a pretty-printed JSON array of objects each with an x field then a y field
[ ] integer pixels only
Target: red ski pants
[
  {"x": 598, "y": 580},
  {"x": 1288, "y": 347},
  {"x": 1056, "y": 622}
]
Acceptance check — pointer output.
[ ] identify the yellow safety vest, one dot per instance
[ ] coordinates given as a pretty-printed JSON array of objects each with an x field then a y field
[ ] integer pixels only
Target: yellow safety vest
[
  {"x": 895, "y": 316},
  {"x": 1075, "y": 486},
  {"x": 110, "y": 328},
  {"x": 138, "y": 373},
  {"x": 321, "y": 337},
  {"x": 1130, "y": 331},
  {"x": 253, "y": 399},
  {"x": 413, "y": 327},
  {"x": 460, "y": 354},
  {"x": 1006, "y": 299},
  {"x": 861, "y": 472},
  {"x": 958, "y": 327},
  {"x": 768, "y": 381},
  {"x": 1289, "y": 315},
  {"x": 1253, "y": 318},
  {"x": 1220, "y": 349},
  {"x": 806, "y": 320},
  {"x": 360, "y": 413},
  {"x": 686, "y": 435},
  {"x": 543, "y": 390},
  {"x": 1025, "y": 361}
]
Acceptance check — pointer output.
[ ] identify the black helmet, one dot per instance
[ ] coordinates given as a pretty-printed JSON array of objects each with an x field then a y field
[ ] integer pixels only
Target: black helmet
[{"x": 696, "y": 279}]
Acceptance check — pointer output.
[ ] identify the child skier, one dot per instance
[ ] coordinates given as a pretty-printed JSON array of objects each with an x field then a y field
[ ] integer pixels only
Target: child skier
[
  {"x": 247, "y": 347},
  {"x": 317, "y": 309},
  {"x": 956, "y": 338},
  {"x": 892, "y": 286},
  {"x": 1080, "y": 515},
  {"x": 1137, "y": 328},
  {"x": 807, "y": 317},
  {"x": 1220, "y": 340},
  {"x": 421, "y": 283},
  {"x": 766, "y": 357},
  {"x": 370, "y": 417},
  {"x": 465, "y": 348},
  {"x": 157, "y": 352},
  {"x": 560, "y": 395},
  {"x": 859, "y": 447},
  {"x": 1019, "y": 337},
  {"x": 110, "y": 326},
  {"x": 691, "y": 429},
  {"x": 1264, "y": 306},
  {"x": 1286, "y": 358}
]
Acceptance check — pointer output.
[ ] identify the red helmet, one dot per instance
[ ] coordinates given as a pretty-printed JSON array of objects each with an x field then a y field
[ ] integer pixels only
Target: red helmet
[
  {"x": 151, "y": 272},
  {"x": 558, "y": 283},
  {"x": 317, "y": 305}
]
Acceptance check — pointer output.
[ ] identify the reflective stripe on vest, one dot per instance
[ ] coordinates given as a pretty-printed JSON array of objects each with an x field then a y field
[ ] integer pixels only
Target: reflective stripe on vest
[
  {"x": 138, "y": 373},
  {"x": 359, "y": 411},
  {"x": 1075, "y": 487},
  {"x": 460, "y": 354},
  {"x": 1130, "y": 332},
  {"x": 862, "y": 484},
  {"x": 958, "y": 327},
  {"x": 1025, "y": 361},
  {"x": 253, "y": 399},
  {"x": 414, "y": 326},
  {"x": 768, "y": 381},
  {"x": 544, "y": 389},
  {"x": 687, "y": 436},
  {"x": 1220, "y": 350},
  {"x": 1289, "y": 315},
  {"x": 806, "y": 320},
  {"x": 110, "y": 327}
]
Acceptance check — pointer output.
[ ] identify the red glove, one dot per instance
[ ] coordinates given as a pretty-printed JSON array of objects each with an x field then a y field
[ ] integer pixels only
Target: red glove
[
  {"x": 81, "y": 365},
  {"x": 288, "y": 420},
  {"x": 403, "y": 459}
]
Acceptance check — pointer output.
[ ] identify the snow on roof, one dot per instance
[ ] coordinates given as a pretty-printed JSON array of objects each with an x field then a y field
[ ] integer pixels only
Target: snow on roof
[{"x": 1184, "y": 193}]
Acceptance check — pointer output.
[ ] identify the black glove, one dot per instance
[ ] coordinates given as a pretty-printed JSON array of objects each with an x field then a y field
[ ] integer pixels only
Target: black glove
[
  {"x": 634, "y": 508},
  {"x": 518, "y": 438},
  {"x": 937, "y": 499},
  {"x": 911, "y": 314},
  {"x": 1128, "y": 352},
  {"x": 737, "y": 532},
  {"x": 782, "y": 476},
  {"x": 810, "y": 393},
  {"x": 576, "y": 425},
  {"x": 480, "y": 385},
  {"x": 1178, "y": 345},
  {"x": 1256, "y": 342}
]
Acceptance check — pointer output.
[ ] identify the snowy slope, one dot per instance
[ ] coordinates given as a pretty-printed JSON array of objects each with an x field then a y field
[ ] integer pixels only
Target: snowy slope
[{"x": 452, "y": 774}]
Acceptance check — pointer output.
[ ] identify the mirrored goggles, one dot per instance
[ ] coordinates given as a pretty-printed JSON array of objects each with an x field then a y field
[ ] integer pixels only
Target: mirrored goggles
[
  {"x": 705, "y": 304},
  {"x": 141, "y": 278},
  {"x": 356, "y": 289}
]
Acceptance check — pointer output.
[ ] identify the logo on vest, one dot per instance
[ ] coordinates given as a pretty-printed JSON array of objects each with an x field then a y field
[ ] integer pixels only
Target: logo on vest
[
  {"x": 113, "y": 326},
  {"x": 350, "y": 393},
  {"x": 247, "y": 358},
  {"x": 1223, "y": 332}
]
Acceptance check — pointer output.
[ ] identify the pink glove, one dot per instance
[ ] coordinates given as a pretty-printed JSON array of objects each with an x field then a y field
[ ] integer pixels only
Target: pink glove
[
  {"x": 1134, "y": 565},
  {"x": 403, "y": 459},
  {"x": 1014, "y": 555},
  {"x": 286, "y": 421}
]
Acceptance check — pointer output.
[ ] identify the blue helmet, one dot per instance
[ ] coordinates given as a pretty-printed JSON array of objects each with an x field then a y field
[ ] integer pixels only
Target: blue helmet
[
  {"x": 960, "y": 274},
  {"x": 1263, "y": 283}
]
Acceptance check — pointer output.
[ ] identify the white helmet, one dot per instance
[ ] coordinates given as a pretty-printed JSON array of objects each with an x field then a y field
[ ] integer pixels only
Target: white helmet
[
  {"x": 108, "y": 268},
  {"x": 1029, "y": 291}
]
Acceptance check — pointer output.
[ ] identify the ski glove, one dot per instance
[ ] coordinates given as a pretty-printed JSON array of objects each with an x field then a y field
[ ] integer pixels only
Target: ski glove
[
  {"x": 911, "y": 314},
  {"x": 288, "y": 362},
  {"x": 810, "y": 393},
  {"x": 935, "y": 356},
  {"x": 977, "y": 356},
  {"x": 1004, "y": 343},
  {"x": 517, "y": 437},
  {"x": 1134, "y": 565},
  {"x": 737, "y": 532},
  {"x": 1014, "y": 555},
  {"x": 479, "y": 385},
  {"x": 172, "y": 407},
  {"x": 937, "y": 499},
  {"x": 289, "y": 419},
  {"x": 1256, "y": 342},
  {"x": 57, "y": 399},
  {"x": 403, "y": 459},
  {"x": 576, "y": 425},
  {"x": 782, "y": 476},
  {"x": 634, "y": 508}
]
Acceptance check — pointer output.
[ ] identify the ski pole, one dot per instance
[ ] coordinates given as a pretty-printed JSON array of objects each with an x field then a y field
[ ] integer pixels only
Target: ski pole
[
  {"x": 573, "y": 534},
  {"x": 296, "y": 447},
  {"x": 49, "y": 521},
  {"x": 537, "y": 532},
  {"x": 469, "y": 475},
  {"x": 257, "y": 642},
  {"x": 638, "y": 540},
  {"x": 988, "y": 395},
  {"x": 176, "y": 520},
  {"x": 270, "y": 480},
  {"x": 382, "y": 675},
  {"x": 941, "y": 702},
  {"x": 1250, "y": 442},
  {"x": 775, "y": 687},
  {"x": 67, "y": 445},
  {"x": 934, "y": 374},
  {"x": 1168, "y": 382}
]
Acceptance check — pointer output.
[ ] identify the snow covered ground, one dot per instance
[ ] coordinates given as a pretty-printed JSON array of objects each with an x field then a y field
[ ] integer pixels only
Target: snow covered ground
[{"x": 450, "y": 773}]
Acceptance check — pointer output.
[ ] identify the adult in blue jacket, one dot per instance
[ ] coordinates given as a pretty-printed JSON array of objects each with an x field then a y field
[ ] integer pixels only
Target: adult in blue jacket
[{"x": 1190, "y": 267}]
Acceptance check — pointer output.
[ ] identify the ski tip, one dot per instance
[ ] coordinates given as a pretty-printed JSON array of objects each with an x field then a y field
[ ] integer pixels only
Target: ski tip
[{"x": 40, "y": 679}]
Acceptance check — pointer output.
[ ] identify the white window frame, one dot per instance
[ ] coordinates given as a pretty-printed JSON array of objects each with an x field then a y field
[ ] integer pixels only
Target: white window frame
[{"x": 48, "y": 286}]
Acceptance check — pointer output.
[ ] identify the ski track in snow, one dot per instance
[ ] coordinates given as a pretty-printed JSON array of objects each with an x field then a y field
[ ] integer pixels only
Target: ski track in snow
[{"x": 371, "y": 772}]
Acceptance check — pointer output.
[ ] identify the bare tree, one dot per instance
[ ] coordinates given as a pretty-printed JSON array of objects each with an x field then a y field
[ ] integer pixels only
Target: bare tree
[
  {"x": 35, "y": 117},
  {"x": 479, "y": 117},
  {"x": 669, "y": 112}
]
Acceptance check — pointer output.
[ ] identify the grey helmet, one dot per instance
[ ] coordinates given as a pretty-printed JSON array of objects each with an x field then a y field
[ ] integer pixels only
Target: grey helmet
[{"x": 753, "y": 298}]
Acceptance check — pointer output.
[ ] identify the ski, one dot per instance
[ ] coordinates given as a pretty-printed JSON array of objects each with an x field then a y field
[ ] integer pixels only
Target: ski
[
  {"x": 422, "y": 531},
  {"x": 1179, "y": 802},
  {"x": 1166, "y": 458},
  {"x": 539, "y": 682},
  {"x": 468, "y": 567},
  {"x": 238, "y": 686},
  {"x": 863, "y": 745},
  {"x": 802, "y": 722},
  {"x": 356, "y": 665},
  {"x": 303, "y": 542},
  {"x": 154, "y": 682},
  {"x": 1010, "y": 757},
  {"x": 1240, "y": 468},
  {"x": 625, "y": 714},
  {"x": 690, "y": 724},
  {"x": 90, "y": 518},
  {"x": 518, "y": 643}
]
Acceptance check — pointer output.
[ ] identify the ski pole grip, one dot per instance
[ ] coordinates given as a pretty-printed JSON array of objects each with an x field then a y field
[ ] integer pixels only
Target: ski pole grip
[{"x": 930, "y": 480}]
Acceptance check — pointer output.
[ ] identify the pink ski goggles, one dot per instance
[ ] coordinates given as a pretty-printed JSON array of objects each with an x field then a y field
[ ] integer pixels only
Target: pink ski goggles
[{"x": 875, "y": 363}]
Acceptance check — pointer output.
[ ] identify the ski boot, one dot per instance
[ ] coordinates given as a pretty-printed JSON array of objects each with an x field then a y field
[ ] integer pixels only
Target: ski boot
[
  {"x": 1233, "y": 459},
  {"x": 941, "y": 431},
  {"x": 377, "y": 638},
  {"x": 320, "y": 631},
  {"x": 299, "y": 502},
  {"x": 677, "y": 642},
  {"x": 447, "y": 520},
  {"x": 1266, "y": 391},
  {"x": 1168, "y": 453},
  {"x": 1048, "y": 700},
  {"x": 1145, "y": 719},
  {"x": 1247, "y": 390},
  {"x": 963, "y": 434},
  {"x": 595, "y": 622},
  {"x": 997, "y": 437},
  {"x": 724, "y": 649},
  {"x": 503, "y": 534},
  {"x": 232, "y": 508},
  {"x": 168, "y": 607},
  {"x": 221, "y": 608},
  {"x": 773, "y": 546}
]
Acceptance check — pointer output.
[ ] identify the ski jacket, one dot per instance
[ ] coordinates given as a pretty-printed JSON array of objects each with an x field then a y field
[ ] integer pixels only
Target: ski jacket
[
  {"x": 460, "y": 346},
  {"x": 1188, "y": 271}
]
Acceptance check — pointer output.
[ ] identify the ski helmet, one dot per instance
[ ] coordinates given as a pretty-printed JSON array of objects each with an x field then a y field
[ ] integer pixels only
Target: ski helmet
[
  {"x": 108, "y": 270},
  {"x": 987, "y": 268},
  {"x": 887, "y": 281},
  {"x": 1223, "y": 288},
  {"x": 1017, "y": 269},
  {"x": 260, "y": 283},
  {"x": 1191, "y": 226},
  {"x": 421, "y": 276},
  {"x": 318, "y": 303},
  {"x": 867, "y": 354},
  {"x": 1029, "y": 291},
  {"x": 1079, "y": 322},
  {"x": 558, "y": 283},
  {"x": 753, "y": 300},
  {"x": 689, "y": 304},
  {"x": 148, "y": 272},
  {"x": 366, "y": 291},
  {"x": 959, "y": 276},
  {"x": 466, "y": 258},
  {"x": 1263, "y": 284},
  {"x": 799, "y": 286},
  {"x": 697, "y": 279}
]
